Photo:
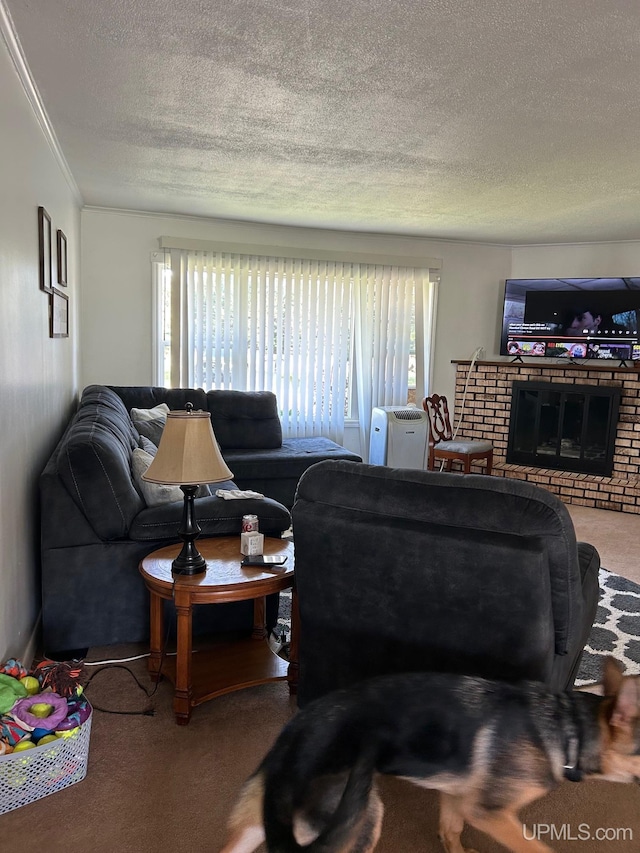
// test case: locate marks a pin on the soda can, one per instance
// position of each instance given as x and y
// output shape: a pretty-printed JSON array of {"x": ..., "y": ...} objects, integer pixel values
[{"x": 249, "y": 523}]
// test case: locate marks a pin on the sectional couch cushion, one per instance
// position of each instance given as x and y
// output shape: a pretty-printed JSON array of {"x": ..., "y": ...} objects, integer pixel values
[
  {"x": 216, "y": 517},
  {"x": 94, "y": 464},
  {"x": 290, "y": 459},
  {"x": 246, "y": 420},
  {"x": 277, "y": 471},
  {"x": 147, "y": 397}
]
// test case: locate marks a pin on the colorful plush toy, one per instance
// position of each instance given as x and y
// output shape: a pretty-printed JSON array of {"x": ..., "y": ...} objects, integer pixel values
[
  {"x": 11, "y": 731},
  {"x": 79, "y": 710},
  {"x": 63, "y": 677},
  {"x": 14, "y": 668},
  {"x": 10, "y": 690},
  {"x": 21, "y": 711}
]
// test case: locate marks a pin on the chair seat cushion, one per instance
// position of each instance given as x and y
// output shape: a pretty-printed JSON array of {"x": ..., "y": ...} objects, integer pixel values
[{"x": 462, "y": 446}]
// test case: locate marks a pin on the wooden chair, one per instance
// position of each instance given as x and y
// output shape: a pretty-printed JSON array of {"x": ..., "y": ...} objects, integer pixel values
[{"x": 447, "y": 449}]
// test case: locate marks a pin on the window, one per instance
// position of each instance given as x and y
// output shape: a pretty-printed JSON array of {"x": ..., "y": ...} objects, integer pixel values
[{"x": 330, "y": 338}]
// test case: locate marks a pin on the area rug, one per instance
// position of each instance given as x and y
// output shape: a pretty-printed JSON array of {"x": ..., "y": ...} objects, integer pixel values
[{"x": 616, "y": 629}]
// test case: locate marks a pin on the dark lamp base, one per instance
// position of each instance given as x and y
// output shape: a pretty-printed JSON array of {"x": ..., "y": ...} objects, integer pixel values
[
  {"x": 189, "y": 561},
  {"x": 195, "y": 564}
]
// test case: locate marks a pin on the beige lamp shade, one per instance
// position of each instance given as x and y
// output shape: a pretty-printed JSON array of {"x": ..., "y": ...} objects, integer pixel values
[{"x": 188, "y": 454}]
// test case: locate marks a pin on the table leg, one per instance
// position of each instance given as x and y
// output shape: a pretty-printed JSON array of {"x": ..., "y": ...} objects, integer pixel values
[
  {"x": 156, "y": 630},
  {"x": 183, "y": 689},
  {"x": 294, "y": 666},
  {"x": 259, "y": 618}
]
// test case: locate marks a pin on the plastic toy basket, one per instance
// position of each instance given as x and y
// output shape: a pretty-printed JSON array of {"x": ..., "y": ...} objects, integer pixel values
[{"x": 35, "y": 773}]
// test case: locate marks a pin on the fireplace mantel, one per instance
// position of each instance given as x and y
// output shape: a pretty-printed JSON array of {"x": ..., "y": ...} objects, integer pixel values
[
  {"x": 488, "y": 410},
  {"x": 545, "y": 364}
]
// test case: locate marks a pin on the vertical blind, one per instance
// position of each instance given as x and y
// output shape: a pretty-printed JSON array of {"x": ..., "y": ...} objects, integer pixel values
[
  {"x": 262, "y": 323},
  {"x": 308, "y": 330},
  {"x": 385, "y": 307}
]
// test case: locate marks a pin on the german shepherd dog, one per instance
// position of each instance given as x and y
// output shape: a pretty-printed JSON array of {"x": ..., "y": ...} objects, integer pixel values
[{"x": 488, "y": 747}]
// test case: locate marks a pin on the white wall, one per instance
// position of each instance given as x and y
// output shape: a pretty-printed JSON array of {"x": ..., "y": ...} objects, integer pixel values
[
  {"x": 37, "y": 373},
  {"x": 577, "y": 260},
  {"x": 116, "y": 307},
  {"x": 469, "y": 311}
]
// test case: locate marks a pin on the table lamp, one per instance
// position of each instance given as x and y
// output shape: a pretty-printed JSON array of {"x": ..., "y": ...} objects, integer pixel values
[{"x": 188, "y": 456}]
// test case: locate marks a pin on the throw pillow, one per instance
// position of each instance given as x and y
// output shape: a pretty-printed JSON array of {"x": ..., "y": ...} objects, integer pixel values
[
  {"x": 154, "y": 494},
  {"x": 204, "y": 491},
  {"x": 146, "y": 444},
  {"x": 151, "y": 422}
]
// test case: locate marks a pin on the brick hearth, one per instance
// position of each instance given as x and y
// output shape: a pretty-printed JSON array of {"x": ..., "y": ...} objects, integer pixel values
[{"x": 488, "y": 408}]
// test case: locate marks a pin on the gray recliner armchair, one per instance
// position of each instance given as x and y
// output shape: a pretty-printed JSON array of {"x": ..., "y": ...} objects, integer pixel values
[{"x": 404, "y": 570}]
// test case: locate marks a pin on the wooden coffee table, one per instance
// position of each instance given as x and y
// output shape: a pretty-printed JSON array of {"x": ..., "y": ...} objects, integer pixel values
[{"x": 228, "y": 664}]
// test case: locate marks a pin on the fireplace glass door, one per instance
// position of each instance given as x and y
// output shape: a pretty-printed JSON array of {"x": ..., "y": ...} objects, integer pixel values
[{"x": 569, "y": 427}]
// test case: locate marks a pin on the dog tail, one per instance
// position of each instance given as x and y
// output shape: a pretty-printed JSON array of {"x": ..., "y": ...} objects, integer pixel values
[{"x": 342, "y": 825}]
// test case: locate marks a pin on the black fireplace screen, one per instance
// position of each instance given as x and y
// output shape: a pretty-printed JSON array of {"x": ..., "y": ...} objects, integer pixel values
[{"x": 570, "y": 427}]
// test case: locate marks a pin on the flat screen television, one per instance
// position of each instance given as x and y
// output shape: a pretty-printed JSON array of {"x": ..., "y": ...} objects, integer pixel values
[{"x": 572, "y": 318}]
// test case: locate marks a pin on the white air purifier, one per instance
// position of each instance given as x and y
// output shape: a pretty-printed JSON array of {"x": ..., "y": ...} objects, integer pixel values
[{"x": 399, "y": 437}]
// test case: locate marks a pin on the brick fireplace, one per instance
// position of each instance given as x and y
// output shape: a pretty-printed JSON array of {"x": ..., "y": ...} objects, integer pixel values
[{"x": 487, "y": 415}]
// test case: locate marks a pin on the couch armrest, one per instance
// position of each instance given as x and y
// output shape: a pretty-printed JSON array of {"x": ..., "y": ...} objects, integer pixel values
[{"x": 589, "y": 562}]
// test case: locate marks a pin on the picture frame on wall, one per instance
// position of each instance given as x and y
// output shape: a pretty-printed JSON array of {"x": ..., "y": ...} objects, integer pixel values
[
  {"x": 62, "y": 258},
  {"x": 59, "y": 314},
  {"x": 44, "y": 251}
]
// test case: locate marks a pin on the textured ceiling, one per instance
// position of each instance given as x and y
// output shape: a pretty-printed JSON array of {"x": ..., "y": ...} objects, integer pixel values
[{"x": 490, "y": 120}]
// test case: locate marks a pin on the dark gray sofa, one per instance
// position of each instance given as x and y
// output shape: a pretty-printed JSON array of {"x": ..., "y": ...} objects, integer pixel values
[
  {"x": 249, "y": 432},
  {"x": 96, "y": 527},
  {"x": 400, "y": 570}
]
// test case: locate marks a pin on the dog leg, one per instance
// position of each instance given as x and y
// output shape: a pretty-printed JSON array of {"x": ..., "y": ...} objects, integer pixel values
[
  {"x": 508, "y": 830},
  {"x": 372, "y": 824},
  {"x": 246, "y": 831},
  {"x": 451, "y": 824},
  {"x": 245, "y": 840},
  {"x": 366, "y": 832}
]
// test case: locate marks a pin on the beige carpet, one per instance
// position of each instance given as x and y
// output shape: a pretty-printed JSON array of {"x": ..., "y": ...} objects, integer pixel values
[
  {"x": 614, "y": 534},
  {"x": 153, "y": 786}
]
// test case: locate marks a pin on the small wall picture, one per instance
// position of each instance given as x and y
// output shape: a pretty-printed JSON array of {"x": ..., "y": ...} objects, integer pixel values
[
  {"x": 59, "y": 314},
  {"x": 44, "y": 251},
  {"x": 62, "y": 258}
]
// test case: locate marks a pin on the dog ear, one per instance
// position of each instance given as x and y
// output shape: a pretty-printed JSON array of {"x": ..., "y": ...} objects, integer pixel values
[
  {"x": 625, "y": 709},
  {"x": 612, "y": 676}
]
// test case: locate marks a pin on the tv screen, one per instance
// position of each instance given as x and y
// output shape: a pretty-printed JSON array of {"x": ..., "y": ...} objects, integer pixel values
[{"x": 571, "y": 318}]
